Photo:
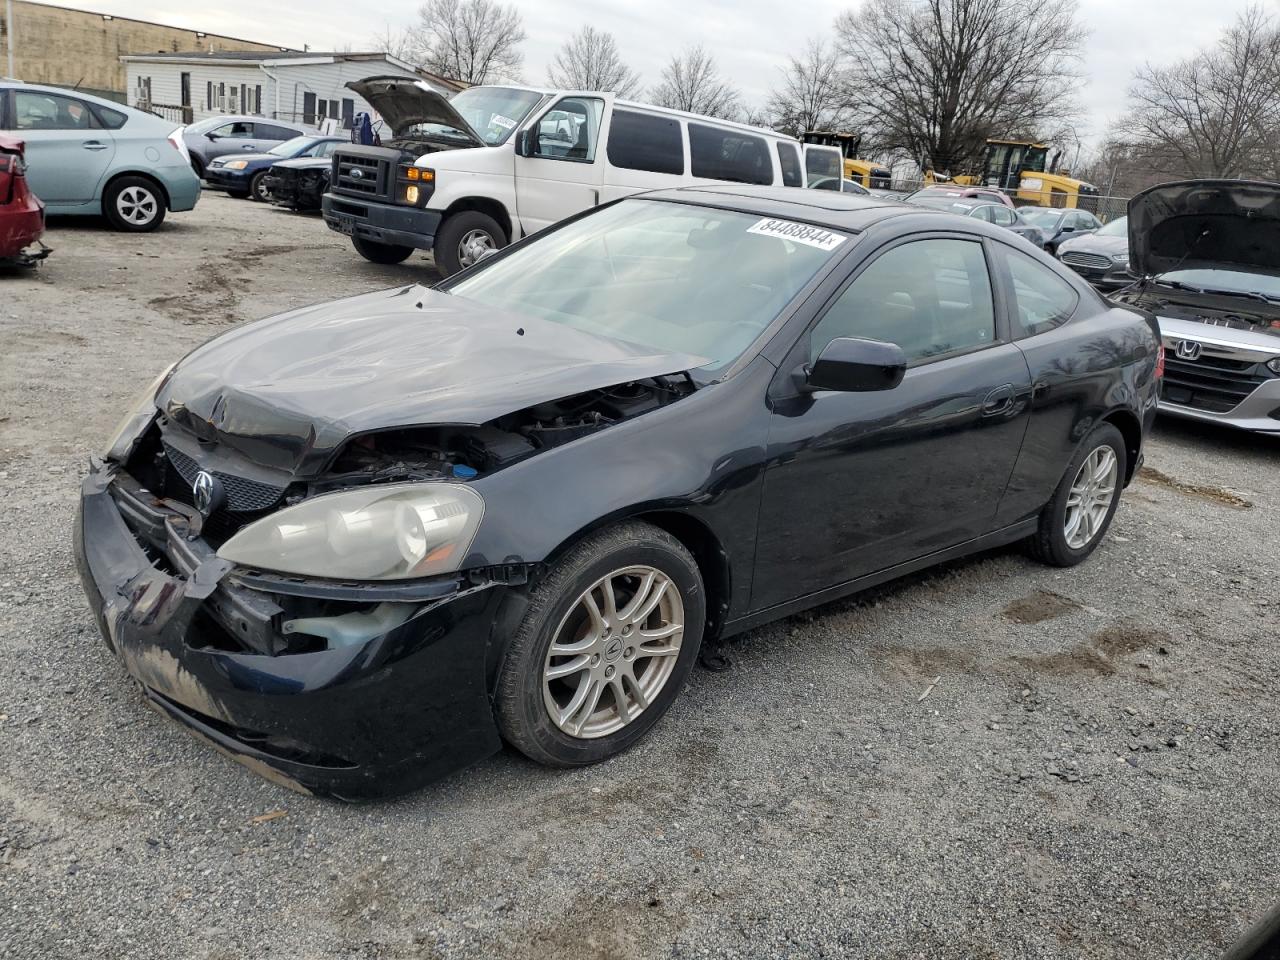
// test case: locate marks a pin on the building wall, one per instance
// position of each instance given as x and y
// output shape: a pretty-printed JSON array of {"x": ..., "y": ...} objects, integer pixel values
[
  {"x": 77, "y": 48},
  {"x": 326, "y": 81}
]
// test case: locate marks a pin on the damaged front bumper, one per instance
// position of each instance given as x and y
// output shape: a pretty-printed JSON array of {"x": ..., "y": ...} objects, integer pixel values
[{"x": 374, "y": 718}]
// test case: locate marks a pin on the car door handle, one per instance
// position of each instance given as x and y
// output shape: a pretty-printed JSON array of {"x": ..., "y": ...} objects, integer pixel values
[
  {"x": 249, "y": 146},
  {"x": 94, "y": 145},
  {"x": 998, "y": 401}
]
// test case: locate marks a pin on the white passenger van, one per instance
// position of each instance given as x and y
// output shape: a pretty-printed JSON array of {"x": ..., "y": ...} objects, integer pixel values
[{"x": 469, "y": 174}]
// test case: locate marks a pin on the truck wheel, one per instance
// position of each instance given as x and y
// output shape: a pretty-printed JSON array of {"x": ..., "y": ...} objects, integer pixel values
[
  {"x": 465, "y": 238},
  {"x": 385, "y": 253},
  {"x": 134, "y": 204}
]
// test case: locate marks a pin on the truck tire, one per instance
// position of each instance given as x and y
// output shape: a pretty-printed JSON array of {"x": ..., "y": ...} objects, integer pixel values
[
  {"x": 464, "y": 237},
  {"x": 385, "y": 253}
]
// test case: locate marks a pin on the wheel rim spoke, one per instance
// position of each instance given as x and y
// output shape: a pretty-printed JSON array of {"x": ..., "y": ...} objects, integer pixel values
[
  {"x": 1090, "y": 497},
  {"x": 622, "y": 633}
]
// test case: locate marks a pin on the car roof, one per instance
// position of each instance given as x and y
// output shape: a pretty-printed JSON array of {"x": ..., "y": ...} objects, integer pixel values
[
  {"x": 851, "y": 212},
  {"x": 82, "y": 95}
]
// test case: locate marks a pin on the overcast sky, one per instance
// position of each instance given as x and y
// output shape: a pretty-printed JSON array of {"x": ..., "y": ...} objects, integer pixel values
[{"x": 750, "y": 39}]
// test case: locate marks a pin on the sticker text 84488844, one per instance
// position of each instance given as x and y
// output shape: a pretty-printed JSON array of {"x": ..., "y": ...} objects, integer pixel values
[{"x": 798, "y": 232}]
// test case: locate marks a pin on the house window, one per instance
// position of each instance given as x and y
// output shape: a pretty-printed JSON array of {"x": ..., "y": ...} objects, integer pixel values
[
  {"x": 208, "y": 95},
  {"x": 257, "y": 99}
]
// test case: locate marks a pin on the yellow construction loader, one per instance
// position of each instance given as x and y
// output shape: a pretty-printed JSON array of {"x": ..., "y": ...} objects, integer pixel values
[
  {"x": 862, "y": 172},
  {"x": 1024, "y": 170}
]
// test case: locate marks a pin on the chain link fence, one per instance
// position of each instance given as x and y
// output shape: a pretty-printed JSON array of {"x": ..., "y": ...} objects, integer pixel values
[{"x": 1105, "y": 209}]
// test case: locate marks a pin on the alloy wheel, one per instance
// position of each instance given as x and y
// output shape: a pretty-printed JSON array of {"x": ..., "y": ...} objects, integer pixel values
[
  {"x": 474, "y": 245},
  {"x": 1090, "y": 497},
  {"x": 613, "y": 652},
  {"x": 137, "y": 205}
]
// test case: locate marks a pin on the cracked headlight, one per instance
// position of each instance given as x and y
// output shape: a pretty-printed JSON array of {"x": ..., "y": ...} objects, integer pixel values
[
  {"x": 134, "y": 425},
  {"x": 387, "y": 532}
]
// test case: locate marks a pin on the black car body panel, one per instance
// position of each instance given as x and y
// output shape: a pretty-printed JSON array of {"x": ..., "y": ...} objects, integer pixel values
[
  {"x": 299, "y": 184},
  {"x": 786, "y": 498},
  {"x": 1213, "y": 223}
]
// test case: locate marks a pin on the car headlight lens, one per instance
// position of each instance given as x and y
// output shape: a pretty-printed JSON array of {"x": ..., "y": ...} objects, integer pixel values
[
  {"x": 385, "y": 532},
  {"x": 1120, "y": 257},
  {"x": 237, "y": 164},
  {"x": 1274, "y": 365},
  {"x": 141, "y": 412}
]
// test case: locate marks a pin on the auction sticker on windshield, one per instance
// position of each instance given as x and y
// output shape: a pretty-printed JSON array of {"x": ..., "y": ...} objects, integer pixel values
[
  {"x": 798, "y": 232},
  {"x": 506, "y": 123}
]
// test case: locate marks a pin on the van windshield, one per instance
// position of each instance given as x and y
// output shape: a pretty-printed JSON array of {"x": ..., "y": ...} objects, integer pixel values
[
  {"x": 669, "y": 276},
  {"x": 493, "y": 112}
]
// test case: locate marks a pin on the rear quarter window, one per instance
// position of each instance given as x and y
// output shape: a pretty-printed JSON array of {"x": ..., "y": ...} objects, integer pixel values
[
  {"x": 1042, "y": 299},
  {"x": 638, "y": 141},
  {"x": 110, "y": 119},
  {"x": 719, "y": 154}
]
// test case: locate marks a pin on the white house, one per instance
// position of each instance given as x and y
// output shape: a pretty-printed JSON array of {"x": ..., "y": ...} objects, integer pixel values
[{"x": 302, "y": 86}]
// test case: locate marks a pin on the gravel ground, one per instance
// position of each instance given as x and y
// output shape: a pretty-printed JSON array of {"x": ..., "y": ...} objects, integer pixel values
[{"x": 1095, "y": 771}]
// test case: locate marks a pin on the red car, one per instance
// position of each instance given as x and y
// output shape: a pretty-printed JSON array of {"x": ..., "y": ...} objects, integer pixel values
[{"x": 21, "y": 212}]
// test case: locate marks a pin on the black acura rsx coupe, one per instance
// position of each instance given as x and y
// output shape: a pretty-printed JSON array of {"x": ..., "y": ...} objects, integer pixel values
[{"x": 359, "y": 545}]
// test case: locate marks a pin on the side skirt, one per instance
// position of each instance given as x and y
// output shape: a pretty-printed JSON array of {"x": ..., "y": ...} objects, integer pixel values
[{"x": 998, "y": 538}]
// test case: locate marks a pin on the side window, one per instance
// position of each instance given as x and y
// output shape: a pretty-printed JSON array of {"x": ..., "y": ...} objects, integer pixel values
[
  {"x": 1043, "y": 299},
  {"x": 570, "y": 130},
  {"x": 985, "y": 213},
  {"x": 930, "y": 297},
  {"x": 639, "y": 141},
  {"x": 823, "y": 168},
  {"x": 36, "y": 110},
  {"x": 719, "y": 154},
  {"x": 240, "y": 130},
  {"x": 789, "y": 158},
  {"x": 110, "y": 119},
  {"x": 1004, "y": 216},
  {"x": 269, "y": 131},
  {"x": 322, "y": 149}
]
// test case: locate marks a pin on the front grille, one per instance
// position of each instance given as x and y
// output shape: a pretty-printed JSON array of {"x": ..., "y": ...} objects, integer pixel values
[
  {"x": 1214, "y": 384},
  {"x": 243, "y": 496},
  {"x": 360, "y": 176},
  {"x": 1092, "y": 261}
]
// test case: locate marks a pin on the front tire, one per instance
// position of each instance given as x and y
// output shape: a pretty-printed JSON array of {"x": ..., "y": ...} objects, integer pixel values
[
  {"x": 258, "y": 188},
  {"x": 1076, "y": 519},
  {"x": 607, "y": 641},
  {"x": 133, "y": 204},
  {"x": 465, "y": 238},
  {"x": 384, "y": 253}
]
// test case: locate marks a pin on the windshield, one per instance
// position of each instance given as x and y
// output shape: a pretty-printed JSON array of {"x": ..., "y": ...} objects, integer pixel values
[
  {"x": 493, "y": 112},
  {"x": 1040, "y": 216},
  {"x": 289, "y": 147},
  {"x": 1118, "y": 227},
  {"x": 669, "y": 276},
  {"x": 1225, "y": 281}
]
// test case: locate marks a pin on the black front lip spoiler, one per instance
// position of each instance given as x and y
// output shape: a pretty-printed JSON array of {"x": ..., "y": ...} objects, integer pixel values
[{"x": 359, "y": 722}]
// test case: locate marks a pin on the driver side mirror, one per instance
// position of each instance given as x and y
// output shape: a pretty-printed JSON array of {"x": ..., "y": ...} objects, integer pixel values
[
  {"x": 856, "y": 366},
  {"x": 524, "y": 142},
  {"x": 212, "y": 136}
]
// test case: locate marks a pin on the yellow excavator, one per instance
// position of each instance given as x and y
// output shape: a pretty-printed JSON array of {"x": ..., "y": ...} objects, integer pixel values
[
  {"x": 1025, "y": 171},
  {"x": 862, "y": 172}
]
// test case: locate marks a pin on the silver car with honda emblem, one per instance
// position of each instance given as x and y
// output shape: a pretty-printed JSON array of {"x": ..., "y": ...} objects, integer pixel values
[{"x": 1208, "y": 252}]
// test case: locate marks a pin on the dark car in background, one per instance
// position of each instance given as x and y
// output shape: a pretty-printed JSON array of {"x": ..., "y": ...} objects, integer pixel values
[
  {"x": 359, "y": 545},
  {"x": 979, "y": 209},
  {"x": 1057, "y": 224},
  {"x": 21, "y": 212},
  {"x": 299, "y": 184},
  {"x": 1101, "y": 257},
  {"x": 219, "y": 136},
  {"x": 1208, "y": 255},
  {"x": 246, "y": 175}
]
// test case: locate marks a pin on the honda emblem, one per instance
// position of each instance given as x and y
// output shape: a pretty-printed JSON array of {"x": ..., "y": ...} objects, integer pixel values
[{"x": 1187, "y": 350}]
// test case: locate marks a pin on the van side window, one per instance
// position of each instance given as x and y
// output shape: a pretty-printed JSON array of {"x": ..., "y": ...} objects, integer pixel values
[
  {"x": 570, "y": 130},
  {"x": 719, "y": 154},
  {"x": 789, "y": 157},
  {"x": 639, "y": 141},
  {"x": 823, "y": 168}
]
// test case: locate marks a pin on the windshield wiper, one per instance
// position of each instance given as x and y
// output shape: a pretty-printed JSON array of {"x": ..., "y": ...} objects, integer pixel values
[{"x": 1248, "y": 294}]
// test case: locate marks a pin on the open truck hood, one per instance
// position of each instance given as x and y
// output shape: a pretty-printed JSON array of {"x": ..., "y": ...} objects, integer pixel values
[
  {"x": 403, "y": 101},
  {"x": 287, "y": 392},
  {"x": 1225, "y": 224}
]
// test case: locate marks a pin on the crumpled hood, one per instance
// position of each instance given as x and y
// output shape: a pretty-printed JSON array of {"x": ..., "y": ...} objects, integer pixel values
[
  {"x": 1229, "y": 224},
  {"x": 286, "y": 392},
  {"x": 402, "y": 102},
  {"x": 305, "y": 163}
]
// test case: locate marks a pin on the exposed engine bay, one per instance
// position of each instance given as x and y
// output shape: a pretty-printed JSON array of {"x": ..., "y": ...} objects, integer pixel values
[{"x": 1220, "y": 310}]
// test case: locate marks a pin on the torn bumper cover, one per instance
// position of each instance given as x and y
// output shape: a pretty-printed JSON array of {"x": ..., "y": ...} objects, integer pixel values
[{"x": 372, "y": 719}]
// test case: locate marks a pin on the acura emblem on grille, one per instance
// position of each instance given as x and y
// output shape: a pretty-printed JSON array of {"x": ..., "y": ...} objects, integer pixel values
[
  {"x": 357, "y": 174},
  {"x": 206, "y": 493},
  {"x": 1187, "y": 350}
]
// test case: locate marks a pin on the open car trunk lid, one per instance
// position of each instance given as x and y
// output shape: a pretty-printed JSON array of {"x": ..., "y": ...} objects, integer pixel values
[
  {"x": 403, "y": 102},
  {"x": 1227, "y": 224}
]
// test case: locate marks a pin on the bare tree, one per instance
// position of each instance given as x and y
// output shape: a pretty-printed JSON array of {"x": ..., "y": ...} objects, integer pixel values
[
  {"x": 814, "y": 92},
  {"x": 398, "y": 43},
  {"x": 475, "y": 41},
  {"x": 590, "y": 60},
  {"x": 936, "y": 78},
  {"x": 691, "y": 81},
  {"x": 1216, "y": 114}
]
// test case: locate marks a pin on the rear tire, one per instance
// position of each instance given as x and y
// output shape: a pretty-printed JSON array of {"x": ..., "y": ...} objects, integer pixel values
[
  {"x": 384, "y": 253},
  {"x": 632, "y": 648},
  {"x": 463, "y": 238},
  {"x": 133, "y": 204},
  {"x": 1076, "y": 520}
]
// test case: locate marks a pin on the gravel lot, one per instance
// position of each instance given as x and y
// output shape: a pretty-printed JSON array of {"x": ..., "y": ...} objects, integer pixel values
[{"x": 1096, "y": 772}]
